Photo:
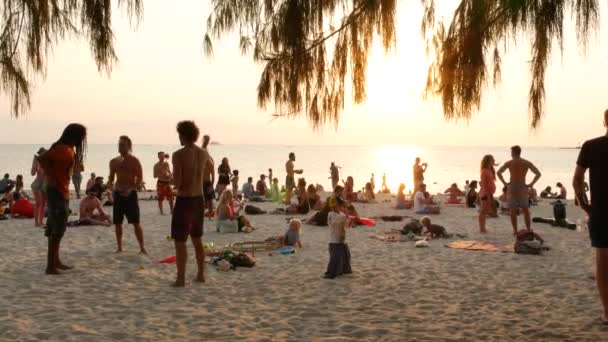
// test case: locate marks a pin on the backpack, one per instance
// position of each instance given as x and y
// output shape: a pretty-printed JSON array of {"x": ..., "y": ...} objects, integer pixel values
[
  {"x": 527, "y": 243},
  {"x": 242, "y": 260},
  {"x": 559, "y": 211}
]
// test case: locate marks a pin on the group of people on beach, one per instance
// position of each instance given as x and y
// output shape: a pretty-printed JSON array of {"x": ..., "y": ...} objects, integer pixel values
[{"x": 189, "y": 186}]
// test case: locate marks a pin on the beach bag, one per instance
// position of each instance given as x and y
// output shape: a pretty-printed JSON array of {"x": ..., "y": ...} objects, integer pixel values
[
  {"x": 414, "y": 226},
  {"x": 253, "y": 210},
  {"x": 526, "y": 243},
  {"x": 242, "y": 260},
  {"x": 559, "y": 211}
]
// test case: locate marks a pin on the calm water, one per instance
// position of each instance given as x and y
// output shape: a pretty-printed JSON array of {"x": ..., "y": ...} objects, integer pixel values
[{"x": 446, "y": 164}]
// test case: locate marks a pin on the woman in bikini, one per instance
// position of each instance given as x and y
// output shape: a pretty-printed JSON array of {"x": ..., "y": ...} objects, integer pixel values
[{"x": 487, "y": 190}]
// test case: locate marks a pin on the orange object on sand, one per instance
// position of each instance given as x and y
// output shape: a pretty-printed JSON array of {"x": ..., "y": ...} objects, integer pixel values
[
  {"x": 472, "y": 245},
  {"x": 168, "y": 260}
]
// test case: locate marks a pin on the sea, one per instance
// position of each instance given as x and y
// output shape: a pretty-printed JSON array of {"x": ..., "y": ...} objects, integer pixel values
[{"x": 446, "y": 165}]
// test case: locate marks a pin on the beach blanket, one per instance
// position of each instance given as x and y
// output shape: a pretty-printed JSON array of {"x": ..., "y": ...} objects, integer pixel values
[
  {"x": 363, "y": 221},
  {"x": 249, "y": 246},
  {"x": 472, "y": 245}
]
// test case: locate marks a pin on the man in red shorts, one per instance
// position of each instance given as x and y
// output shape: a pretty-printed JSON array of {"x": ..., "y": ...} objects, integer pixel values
[
  {"x": 162, "y": 172},
  {"x": 188, "y": 173}
]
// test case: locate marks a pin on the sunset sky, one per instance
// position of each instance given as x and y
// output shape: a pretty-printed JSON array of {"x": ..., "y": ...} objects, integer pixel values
[{"x": 163, "y": 76}]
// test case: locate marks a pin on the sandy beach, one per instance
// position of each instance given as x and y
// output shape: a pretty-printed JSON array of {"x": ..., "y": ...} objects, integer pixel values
[{"x": 397, "y": 291}]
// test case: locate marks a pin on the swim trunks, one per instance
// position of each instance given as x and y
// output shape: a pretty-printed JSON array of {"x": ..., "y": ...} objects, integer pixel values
[
  {"x": 126, "y": 206},
  {"x": 58, "y": 211},
  {"x": 520, "y": 201},
  {"x": 290, "y": 183},
  {"x": 188, "y": 218},
  {"x": 164, "y": 190}
]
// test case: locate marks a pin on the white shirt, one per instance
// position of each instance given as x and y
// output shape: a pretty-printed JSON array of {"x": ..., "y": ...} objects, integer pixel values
[
  {"x": 337, "y": 223},
  {"x": 419, "y": 201}
]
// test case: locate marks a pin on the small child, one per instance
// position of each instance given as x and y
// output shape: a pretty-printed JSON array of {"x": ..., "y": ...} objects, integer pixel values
[
  {"x": 275, "y": 194},
  {"x": 292, "y": 235},
  {"x": 434, "y": 230},
  {"x": 339, "y": 253},
  {"x": 235, "y": 183}
]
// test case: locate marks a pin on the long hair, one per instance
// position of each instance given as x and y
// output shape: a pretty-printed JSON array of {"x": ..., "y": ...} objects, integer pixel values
[
  {"x": 488, "y": 163},
  {"x": 74, "y": 135},
  {"x": 224, "y": 197}
]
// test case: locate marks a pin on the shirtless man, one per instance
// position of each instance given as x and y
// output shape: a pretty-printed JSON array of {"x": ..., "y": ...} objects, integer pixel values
[
  {"x": 88, "y": 205},
  {"x": 290, "y": 182},
  {"x": 419, "y": 170},
  {"x": 189, "y": 164},
  {"x": 162, "y": 172},
  {"x": 128, "y": 173},
  {"x": 517, "y": 188},
  {"x": 208, "y": 180}
]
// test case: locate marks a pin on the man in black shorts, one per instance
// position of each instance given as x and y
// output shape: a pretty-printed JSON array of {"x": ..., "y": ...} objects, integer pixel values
[
  {"x": 189, "y": 165},
  {"x": 594, "y": 156},
  {"x": 290, "y": 181},
  {"x": 128, "y": 172}
]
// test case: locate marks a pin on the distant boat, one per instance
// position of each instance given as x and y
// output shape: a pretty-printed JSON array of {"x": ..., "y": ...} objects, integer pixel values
[
  {"x": 214, "y": 143},
  {"x": 571, "y": 148}
]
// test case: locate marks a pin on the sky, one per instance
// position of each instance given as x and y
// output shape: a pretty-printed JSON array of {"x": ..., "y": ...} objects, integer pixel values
[{"x": 163, "y": 76}]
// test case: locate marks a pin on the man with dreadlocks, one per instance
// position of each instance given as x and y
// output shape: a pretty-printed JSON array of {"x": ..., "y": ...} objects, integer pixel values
[{"x": 57, "y": 164}]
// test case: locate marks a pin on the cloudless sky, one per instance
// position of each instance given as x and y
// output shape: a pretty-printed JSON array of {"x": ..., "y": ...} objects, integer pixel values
[{"x": 163, "y": 76}]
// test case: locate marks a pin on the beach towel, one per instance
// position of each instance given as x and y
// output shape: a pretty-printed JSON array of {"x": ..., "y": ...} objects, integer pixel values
[
  {"x": 168, "y": 260},
  {"x": 363, "y": 221},
  {"x": 472, "y": 245}
]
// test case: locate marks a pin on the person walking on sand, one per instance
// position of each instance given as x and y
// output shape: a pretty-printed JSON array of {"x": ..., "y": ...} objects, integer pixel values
[
  {"x": 189, "y": 164},
  {"x": 208, "y": 179},
  {"x": 593, "y": 157},
  {"x": 419, "y": 170},
  {"x": 334, "y": 171},
  {"x": 57, "y": 164},
  {"x": 162, "y": 172},
  {"x": 290, "y": 182},
  {"x": 128, "y": 173},
  {"x": 487, "y": 189},
  {"x": 517, "y": 189}
]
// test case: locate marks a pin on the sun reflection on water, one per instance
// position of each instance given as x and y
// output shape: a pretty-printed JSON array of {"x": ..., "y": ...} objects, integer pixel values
[{"x": 396, "y": 162}]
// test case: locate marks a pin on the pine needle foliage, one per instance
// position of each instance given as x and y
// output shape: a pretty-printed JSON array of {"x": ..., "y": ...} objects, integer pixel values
[{"x": 29, "y": 29}]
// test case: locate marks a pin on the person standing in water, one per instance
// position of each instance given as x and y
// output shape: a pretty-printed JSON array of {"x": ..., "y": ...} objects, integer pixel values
[
  {"x": 162, "y": 172},
  {"x": 419, "y": 170},
  {"x": 593, "y": 157},
  {"x": 208, "y": 179},
  {"x": 128, "y": 173},
  {"x": 290, "y": 182},
  {"x": 57, "y": 164},
  {"x": 334, "y": 175},
  {"x": 517, "y": 188},
  {"x": 189, "y": 164}
]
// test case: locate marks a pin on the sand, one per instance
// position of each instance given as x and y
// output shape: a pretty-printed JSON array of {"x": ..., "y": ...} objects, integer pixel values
[{"x": 397, "y": 291}]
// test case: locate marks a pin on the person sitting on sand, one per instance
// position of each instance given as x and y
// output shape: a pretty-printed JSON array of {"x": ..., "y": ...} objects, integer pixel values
[
  {"x": 229, "y": 219},
  {"x": 303, "y": 206},
  {"x": 453, "y": 193},
  {"x": 292, "y": 235},
  {"x": 422, "y": 204},
  {"x": 248, "y": 190},
  {"x": 368, "y": 193},
  {"x": 314, "y": 200},
  {"x": 260, "y": 187},
  {"x": 402, "y": 202},
  {"x": 563, "y": 193},
  {"x": 275, "y": 193},
  {"x": 434, "y": 230},
  {"x": 547, "y": 193},
  {"x": 533, "y": 196},
  {"x": 339, "y": 253},
  {"x": 6, "y": 184},
  {"x": 471, "y": 195},
  {"x": 91, "y": 211},
  {"x": 349, "y": 189},
  {"x": 504, "y": 201}
]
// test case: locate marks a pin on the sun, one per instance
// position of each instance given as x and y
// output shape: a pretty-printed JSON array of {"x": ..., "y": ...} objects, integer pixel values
[{"x": 396, "y": 162}]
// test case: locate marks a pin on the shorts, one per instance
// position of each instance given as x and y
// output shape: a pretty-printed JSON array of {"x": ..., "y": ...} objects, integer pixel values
[
  {"x": 58, "y": 211},
  {"x": 164, "y": 190},
  {"x": 208, "y": 191},
  {"x": 290, "y": 183},
  {"x": 126, "y": 206},
  {"x": 598, "y": 229},
  {"x": 514, "y": 203},
  {"x": 187, "y": 218},
  {"x": 77, "y": 178}
]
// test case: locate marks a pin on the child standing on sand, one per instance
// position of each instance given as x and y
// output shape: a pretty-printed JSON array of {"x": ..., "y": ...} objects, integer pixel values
[
  {"x": 235, "y": 183},
  {"x": 339, "y": 253},
  {"x": 275, "y": 194}
]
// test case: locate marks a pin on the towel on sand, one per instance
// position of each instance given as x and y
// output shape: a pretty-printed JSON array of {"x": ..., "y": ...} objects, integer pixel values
[{"x": 472, "y": 245}]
